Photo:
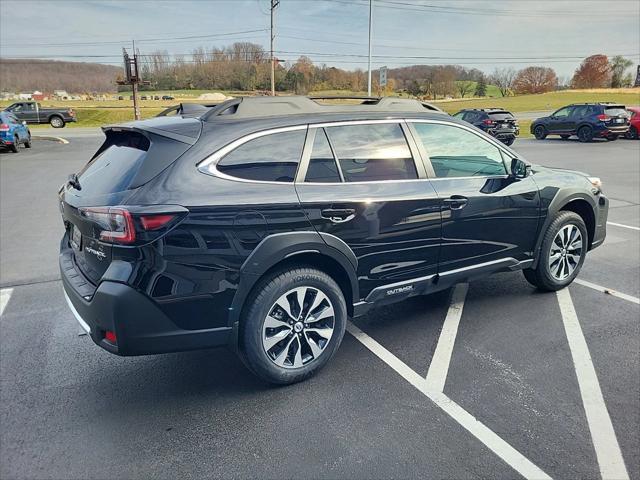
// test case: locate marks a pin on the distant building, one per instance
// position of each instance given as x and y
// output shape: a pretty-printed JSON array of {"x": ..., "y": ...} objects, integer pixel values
[
  {"x": 61, "y": 94},
  {"x": 39, "y": 96}
]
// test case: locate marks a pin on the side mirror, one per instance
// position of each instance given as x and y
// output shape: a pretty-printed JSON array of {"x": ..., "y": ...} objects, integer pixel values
[{"x": 520, "y": 168}]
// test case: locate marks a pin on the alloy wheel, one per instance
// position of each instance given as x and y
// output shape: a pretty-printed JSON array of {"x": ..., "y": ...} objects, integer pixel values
[
  {"x": 298, "y": 327},
  {"x": 566, "y": 252}
]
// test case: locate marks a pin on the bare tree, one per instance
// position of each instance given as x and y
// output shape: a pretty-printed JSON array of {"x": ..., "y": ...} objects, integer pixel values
[
  {"x": 465, "y": 87},
  {"x": 503, "y": 79}
]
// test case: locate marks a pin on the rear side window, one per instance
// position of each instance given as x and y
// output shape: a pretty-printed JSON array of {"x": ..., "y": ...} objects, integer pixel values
[
  {"x": 270, "y": 158},
  {"x": 373, "y": 152},
  {"x": 456, "y": 152},
  {"x": 322, "y": 165}
]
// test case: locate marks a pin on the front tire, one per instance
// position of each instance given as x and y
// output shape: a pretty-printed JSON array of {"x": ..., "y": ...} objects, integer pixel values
[
  {"x": 562, "y": 253},
  {"x": 540, "y": 132},
  {"x": 56, "y": 122},
  {"x": 292, "y": 325}
]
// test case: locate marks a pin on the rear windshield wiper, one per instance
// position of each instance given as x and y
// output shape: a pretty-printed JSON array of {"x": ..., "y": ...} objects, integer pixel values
[{"x": 74, "y": 182}]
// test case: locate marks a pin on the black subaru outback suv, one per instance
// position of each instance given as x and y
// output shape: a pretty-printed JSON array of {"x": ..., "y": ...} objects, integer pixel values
[
  {"x": 265, "y": 223},
  {"x": 497, "y": 122}
]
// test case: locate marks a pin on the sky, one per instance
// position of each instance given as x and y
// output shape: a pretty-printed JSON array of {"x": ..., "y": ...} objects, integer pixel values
[{"x": 475, "y": 33}]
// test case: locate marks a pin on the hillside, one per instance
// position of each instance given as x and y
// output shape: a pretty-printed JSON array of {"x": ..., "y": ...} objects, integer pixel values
[{"x": 49, "y": 75}]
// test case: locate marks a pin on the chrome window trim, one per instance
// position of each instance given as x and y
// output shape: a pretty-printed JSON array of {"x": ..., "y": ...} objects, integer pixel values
[{"x": 208, "y": 165}]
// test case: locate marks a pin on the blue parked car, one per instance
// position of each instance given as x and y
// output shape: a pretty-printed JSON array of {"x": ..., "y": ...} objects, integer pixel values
[
  {"x": 586, "y": 120},
  {"x": 13, "y": 132}
]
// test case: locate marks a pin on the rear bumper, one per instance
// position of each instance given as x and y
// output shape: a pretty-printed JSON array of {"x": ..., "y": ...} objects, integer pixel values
[
  {"x": 502, "y": 134},
  {"x": 141, "y": 328},
  {"x": 605, "y": 130}
]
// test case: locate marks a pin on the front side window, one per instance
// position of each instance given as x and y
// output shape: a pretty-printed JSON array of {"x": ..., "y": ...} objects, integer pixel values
[
  {"x": 456, "y": 152},
  {"x": 563, "y": 112},
  {"x": 373, "y": 152},
  {"x": 270, "y": 158}
]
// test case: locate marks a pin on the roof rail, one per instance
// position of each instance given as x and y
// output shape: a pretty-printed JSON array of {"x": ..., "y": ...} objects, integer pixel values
[{"x": 249, "y": 107}]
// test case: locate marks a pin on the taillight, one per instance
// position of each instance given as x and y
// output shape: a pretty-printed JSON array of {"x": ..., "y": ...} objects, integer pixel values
[
  {"x": 122, "y": 226},
  {"x": 604, "y": 118},
  {"x": 154, "y": 222},
  {"x": 116, "y": 224},
  {"x": 488, "y": 122},
  {"x": 4, "y": 127},
  {"x": 110, "y": 337}
]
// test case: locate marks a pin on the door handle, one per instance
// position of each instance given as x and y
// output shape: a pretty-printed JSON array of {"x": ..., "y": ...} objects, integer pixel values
[
  {"x": 339, "y": 215},
  {"x": 456, "y": 202}
]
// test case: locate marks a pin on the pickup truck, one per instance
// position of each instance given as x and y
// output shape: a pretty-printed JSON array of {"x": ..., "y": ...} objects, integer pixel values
[{"x": 32, "y": 112}]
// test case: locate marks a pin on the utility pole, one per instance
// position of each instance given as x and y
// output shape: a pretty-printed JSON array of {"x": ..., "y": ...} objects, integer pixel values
[
  {"x": 274, "y": 4},
  {"x": 370, "y": 22},
  {"x": 132, "y": 77}
]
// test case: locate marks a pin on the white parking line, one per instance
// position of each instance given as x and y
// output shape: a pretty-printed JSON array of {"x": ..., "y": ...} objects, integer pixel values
[
  {"x": 437, "y": 374},
  {"x": 5, "y": 295},
  {"x": 489, "y": 438},
  {"x": 630, "y": 227},
  {"x": 604, "y": 438},
  {"x": 608, "y": 291}
]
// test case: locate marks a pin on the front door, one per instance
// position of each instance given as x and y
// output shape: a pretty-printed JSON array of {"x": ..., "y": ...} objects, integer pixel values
[
  {"x": 488, "y": 217},
  {"x": 362, "y": 184},
  {"x": 561, "y": 121}
]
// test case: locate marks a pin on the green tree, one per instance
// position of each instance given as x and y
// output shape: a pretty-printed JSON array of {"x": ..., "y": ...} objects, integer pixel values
[
  {"x": 481, "y": 87},
  {"x": 619, "y": 66}
]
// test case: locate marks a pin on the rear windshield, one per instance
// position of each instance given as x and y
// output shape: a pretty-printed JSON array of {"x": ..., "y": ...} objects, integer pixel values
[
  {"x": 501, "y": 116},
  {"x": 116, "y": 163},
  {"x": 127, "y": 160},
  {"x": 616, "y": 111}
]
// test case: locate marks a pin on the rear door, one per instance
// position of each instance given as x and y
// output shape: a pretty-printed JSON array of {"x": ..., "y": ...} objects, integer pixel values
[
  {"x": 360, "y": 182},
  {"x": 487, "y": 216}
]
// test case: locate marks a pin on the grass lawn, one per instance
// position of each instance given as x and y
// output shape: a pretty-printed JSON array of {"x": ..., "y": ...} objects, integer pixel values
[
  {"x": 92, "y": 113},
  {"x": 545, "y": 101}
]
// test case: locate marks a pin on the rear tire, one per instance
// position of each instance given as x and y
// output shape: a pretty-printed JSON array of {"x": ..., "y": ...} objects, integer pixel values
[
  {"x": 284, "y": 342},
  {"x": 612, "y": 137},
  {"x": 27, "y": 142},
  {"x": 585, "y": 134},
  {"x": 540, "y": 132},
  {"x": 56, "y": 121},
  {"x": 509, "y": 141},
  {"x": 562, "y": 253},
  {"x": 16, "y": 144},
  {"x": 632, "y": 133}
]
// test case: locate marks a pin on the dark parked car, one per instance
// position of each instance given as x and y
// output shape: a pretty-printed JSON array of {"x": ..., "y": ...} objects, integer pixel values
[
  {"x": 634, "y": 123},
  {"x": 13, "y": 132},
  {"x": 167, "y": 97},
  {"x": 267, "y": 221},
  {"x": 586, "y": 120},
  {"x": 32, "y": 112},
  {"x": 497, "y": 122}
]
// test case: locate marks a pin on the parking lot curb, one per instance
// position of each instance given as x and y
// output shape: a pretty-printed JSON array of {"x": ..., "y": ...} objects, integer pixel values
[{"x": 51, "y": 139}]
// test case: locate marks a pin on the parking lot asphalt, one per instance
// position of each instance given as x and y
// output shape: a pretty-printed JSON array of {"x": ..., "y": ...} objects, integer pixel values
[{"x": 492, "y": 385}]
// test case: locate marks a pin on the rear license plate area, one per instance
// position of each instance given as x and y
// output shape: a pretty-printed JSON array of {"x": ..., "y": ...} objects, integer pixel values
[{"x": 75, "y": 239}]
